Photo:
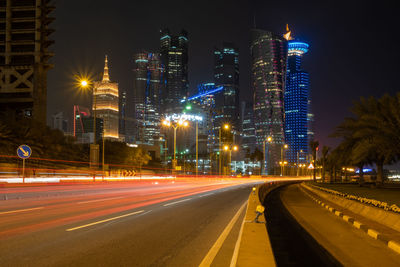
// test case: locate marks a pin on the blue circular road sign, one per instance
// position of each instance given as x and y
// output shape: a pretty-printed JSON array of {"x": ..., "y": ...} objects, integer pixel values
[{"x": 24, "y": 151}]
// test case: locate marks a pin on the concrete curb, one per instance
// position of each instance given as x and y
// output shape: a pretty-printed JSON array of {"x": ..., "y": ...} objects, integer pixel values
[
  {"x": 253, "y": 246},
  {"x": 393, "y": 245}
]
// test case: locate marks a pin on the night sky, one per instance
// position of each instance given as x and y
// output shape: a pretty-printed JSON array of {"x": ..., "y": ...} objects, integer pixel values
[{"x": 352, "y": 45}]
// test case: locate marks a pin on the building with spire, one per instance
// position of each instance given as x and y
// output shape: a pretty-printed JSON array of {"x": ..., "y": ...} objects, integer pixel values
[
  {"x": 268, "y": 59},
  {"x": 298, "y": 118},
  {"x": 106, "y": 104}
]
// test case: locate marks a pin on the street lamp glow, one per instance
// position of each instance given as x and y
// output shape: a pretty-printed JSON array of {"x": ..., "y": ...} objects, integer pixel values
[
  {"x": 226, "y": 126},
  {"x": 285, "y": 146},
  {"x": 226, "y": 147},
  {"x": 235, "y": 148},
  {"x": 269, "y": 139},
  {"x": 84, "y": 83},
  {"x": 185, "y": 123}
]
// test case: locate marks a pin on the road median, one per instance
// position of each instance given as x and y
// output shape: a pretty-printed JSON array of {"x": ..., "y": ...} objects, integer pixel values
[{"x": 253, "y": 247}]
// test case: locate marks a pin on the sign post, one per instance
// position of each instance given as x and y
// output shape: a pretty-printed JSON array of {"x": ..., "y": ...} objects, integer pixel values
[{"x": 24, "y": 152}]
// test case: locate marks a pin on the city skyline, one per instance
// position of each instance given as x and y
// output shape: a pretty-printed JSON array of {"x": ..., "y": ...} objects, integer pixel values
[{"x": 333, "y": 41}]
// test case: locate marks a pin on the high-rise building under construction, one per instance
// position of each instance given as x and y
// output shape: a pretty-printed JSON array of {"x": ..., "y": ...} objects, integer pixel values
[{"x": 24, "y": 57}]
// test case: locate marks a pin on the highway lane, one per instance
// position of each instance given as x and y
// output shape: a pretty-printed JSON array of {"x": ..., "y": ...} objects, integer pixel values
[{"x": 174, "y": 226}]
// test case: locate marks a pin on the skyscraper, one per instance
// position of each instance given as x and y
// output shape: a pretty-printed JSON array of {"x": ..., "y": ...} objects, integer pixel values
[
  {"x": 247, "y": 129},
  {"x": 144, "y": 104},
  {"x": 122, "y": 114},
  {"x": 226, "y": 74},
  {"x": 106, "y": 104},
  {"x": 83, "y": 125},
  {"x": 174, "y": 57},
  {"x": 58, "y": 121},
  {"x": 269, "y": 54},
  {"x": 296, "y": 103},
  {"x": 24, "y": 56}
]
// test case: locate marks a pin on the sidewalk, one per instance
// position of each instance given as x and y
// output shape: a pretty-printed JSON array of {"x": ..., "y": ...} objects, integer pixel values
[{"x": 254, "y": 245}]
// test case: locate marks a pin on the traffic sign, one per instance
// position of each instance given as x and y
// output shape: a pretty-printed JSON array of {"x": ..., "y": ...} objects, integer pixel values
[{"x": 24, "y": 151}]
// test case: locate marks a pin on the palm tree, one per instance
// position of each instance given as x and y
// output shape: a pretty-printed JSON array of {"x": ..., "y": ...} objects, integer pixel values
[
  {"x": 314, "y": 145},
  {"x": 373, "y": 136}
]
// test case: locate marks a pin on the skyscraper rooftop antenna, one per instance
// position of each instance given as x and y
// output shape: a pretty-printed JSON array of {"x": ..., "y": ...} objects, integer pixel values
[{"x": 254, "y": 21}]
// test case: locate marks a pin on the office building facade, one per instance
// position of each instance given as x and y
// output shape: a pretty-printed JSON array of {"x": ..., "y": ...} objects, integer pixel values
[
  {"x": 58, "y": 121},
  {"x": 174, "y": 58},
  {"x": 269, "y": 55},
  {"x": 24, "y": 57},
  {"x": 226, "y": 74},
  {"x": 83, "y": 125},
  {"x": 144, "y": 100}
]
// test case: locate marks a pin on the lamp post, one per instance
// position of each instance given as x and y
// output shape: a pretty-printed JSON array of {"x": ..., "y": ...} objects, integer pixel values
[
  {"x": 225, "y": 127},
  {"x": 175, "y": 125},
  {"x": 164, "y": 151},
  {"x": 94, "y": 149},
  {"x": 197, "y": 147},
  {"x": 298, "y": 163},
  {"x": 282, "y": 163},
  {"x": 268, "y": 139},
  {"x": 230, "y": 148}
]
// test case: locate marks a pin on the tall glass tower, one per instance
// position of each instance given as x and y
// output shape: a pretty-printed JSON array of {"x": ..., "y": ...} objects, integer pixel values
[
  {"x": 296, "y": 104},
  {"x": 226, "y": 74},
  {"x": 174, "y": 57},
  {"x": 144, "y": 100},
  {"x": 268, "y": 55}
]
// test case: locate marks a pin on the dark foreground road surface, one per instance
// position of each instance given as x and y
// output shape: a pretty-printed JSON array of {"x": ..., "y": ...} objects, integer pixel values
[
  {"x": 156, "y": 225},
  {"x": 291, "y": 244}
]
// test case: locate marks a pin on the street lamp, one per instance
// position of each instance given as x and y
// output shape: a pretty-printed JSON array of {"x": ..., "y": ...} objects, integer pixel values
[
  {"x": 298, "y": 163},
  {"x": 282, "y": 162},
  {"x": 86, "y": 84},
  {"x": 230, "y": 148},
  {"x": 269, "y": 140},
  {"x": 225, "y": 127},
  {"x": 175, "y": 125}
]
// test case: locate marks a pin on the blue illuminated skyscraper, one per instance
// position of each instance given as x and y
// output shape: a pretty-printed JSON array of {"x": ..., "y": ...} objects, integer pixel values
[{"x": 297, "y": 104}]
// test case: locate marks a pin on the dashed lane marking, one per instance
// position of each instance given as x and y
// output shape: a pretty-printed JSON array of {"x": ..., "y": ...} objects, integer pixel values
[
  {"x": 23, "y": 210},
  {"x": 176, "y": 202},
  {"x": 98, "y": 200},
  {"x": 103, "y": 221}
]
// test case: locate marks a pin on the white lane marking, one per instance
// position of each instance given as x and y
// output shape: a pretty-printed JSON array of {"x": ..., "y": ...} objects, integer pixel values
[
  {"x": 207, "y": 194},
  {"x": 179, "y": 201},
  {"x": 209, "y": 258},
  {"x": 237, "y": 245},
  {"x": 106, "y": 220},
  {"x": 15, "y": 211},
  {"x": 97, "y": 200}
]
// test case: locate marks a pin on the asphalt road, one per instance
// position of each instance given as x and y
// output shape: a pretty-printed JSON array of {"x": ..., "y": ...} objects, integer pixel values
[{"x": 164, "y": 224}]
